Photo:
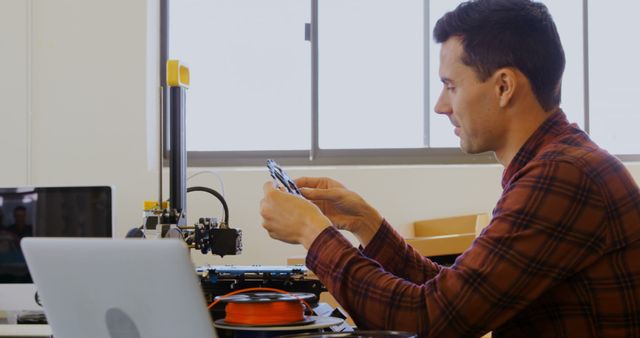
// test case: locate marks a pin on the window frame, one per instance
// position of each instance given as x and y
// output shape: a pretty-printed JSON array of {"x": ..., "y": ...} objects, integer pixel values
[{"x": 316, "y": 156}]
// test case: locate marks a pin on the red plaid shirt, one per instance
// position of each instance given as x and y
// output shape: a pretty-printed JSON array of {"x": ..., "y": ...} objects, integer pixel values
[{"x": 560, "y": 257}]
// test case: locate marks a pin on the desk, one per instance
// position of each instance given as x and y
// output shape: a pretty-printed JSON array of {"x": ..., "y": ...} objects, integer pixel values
[{"x": 25, "y": 330}]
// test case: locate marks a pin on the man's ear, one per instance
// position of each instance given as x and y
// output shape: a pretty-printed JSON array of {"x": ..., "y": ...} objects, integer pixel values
[{"x": 506, "y": 84}]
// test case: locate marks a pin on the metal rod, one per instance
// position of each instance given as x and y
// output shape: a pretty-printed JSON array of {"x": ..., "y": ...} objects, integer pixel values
[
  {"x": 161, "y": 146},
  {"x": 427, "y": 72},
  {"x": 178, "y": 153},
  {"x": 314, "y": 81},
  {"x": 585, "y": 51},
  {"x": 164, "y": 97}
]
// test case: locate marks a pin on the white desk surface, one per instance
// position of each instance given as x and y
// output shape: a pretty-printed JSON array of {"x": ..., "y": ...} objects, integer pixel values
[{"x": 24, "y": 330}]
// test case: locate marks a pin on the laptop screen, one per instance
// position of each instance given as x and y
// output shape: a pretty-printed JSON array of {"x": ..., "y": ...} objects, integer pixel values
[{"x": 48, "y": 212}]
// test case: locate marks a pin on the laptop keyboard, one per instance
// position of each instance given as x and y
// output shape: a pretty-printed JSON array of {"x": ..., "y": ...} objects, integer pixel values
[{"x": 31, "y": 317}]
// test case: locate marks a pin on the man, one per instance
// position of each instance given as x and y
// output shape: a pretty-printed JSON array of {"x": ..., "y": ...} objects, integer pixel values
[
  {"x": 561, "y": 255},
  {"x": 20, "y": 227}
]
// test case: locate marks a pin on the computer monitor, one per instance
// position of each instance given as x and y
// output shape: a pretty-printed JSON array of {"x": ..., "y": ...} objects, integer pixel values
[{"x": 79, "y": 211}]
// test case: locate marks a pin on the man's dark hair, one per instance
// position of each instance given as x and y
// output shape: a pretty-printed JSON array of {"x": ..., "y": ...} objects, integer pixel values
[
  {"x": 19, "y": 208},
  {"x": 509, "y": 33}
]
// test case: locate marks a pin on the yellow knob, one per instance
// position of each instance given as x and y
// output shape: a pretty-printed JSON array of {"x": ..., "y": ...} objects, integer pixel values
[
  {"x": 177, "y": 74},
  {"x": 153, "y": 205}
]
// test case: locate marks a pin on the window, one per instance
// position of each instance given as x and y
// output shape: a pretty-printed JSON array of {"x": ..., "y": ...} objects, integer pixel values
[
  {"x": 568, "y": 19},
  {"x": 613, "y": 72},
  {"x": 371, "y": 79},
  {"x": 250, "y": 73},
  {"x": 364, "y": 94}
]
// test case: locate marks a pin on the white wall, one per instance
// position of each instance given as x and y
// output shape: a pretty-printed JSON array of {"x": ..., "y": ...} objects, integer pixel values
[
  {"x": 13, "y": 92},
  {"x": 94, "y": 104},
  {"x": 92, "y": 99}
]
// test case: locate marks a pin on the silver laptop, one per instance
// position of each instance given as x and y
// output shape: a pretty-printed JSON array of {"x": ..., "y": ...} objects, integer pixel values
[{"x": 117, "y": 288}]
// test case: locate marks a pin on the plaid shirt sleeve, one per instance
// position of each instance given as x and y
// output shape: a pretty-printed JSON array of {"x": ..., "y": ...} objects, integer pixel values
[
  {"x": 548, "y": 224},
  {"x": 391, "y": 251}
]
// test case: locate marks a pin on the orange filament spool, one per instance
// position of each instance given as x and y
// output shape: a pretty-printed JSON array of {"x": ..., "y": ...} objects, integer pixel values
[
  {"x": 263, "y": 309},
  {"x": 271, "y": 313}
]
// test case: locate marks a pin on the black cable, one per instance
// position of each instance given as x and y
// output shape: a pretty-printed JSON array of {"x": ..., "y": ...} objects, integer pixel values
[{"x": 218, "y": 196}]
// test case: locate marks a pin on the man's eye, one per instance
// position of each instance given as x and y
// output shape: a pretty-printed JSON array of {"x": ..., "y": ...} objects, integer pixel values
[{"x": 450, "y": 88}]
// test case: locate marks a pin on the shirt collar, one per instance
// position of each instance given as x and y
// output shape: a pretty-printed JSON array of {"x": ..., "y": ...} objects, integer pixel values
[{"x": 548, "y": 130}]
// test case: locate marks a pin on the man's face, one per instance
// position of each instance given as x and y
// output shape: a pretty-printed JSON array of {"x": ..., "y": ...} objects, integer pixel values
[
  {"x": 20, "y": 216},
  {"x": 472, "y": 106}
]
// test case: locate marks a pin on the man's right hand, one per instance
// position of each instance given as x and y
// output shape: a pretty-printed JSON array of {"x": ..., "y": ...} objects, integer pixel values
[{"x": 346, "y": 209}]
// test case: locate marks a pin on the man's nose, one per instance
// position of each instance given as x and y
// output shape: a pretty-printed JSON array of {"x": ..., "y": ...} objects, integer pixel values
[{"x": 442, "y": 105}]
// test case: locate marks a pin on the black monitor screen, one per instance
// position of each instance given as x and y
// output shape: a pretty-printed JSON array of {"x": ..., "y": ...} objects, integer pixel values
[{"x": 48, "y": 212}]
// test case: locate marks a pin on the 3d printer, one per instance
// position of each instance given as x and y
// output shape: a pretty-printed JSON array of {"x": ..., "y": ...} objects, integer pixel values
[
  {"x": 209, "y": 235},
  {"x": 169, "y": 220}
]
